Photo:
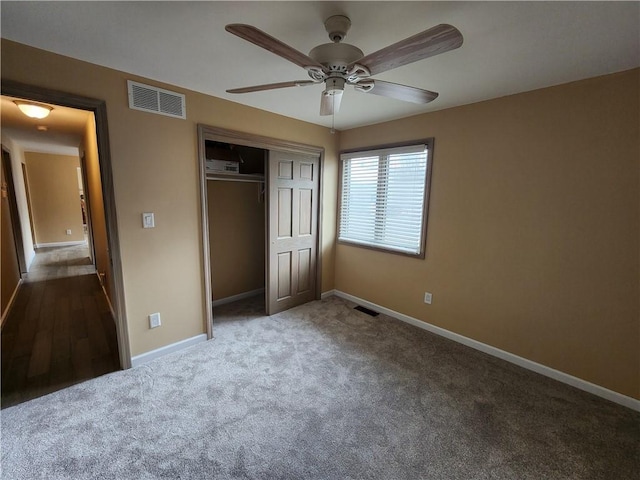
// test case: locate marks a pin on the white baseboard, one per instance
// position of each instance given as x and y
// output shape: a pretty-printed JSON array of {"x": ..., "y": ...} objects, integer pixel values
[
  {"x": 29, "y": 260},
  {"x": 174, "y": 347},
  {"x": 329, "y": 293},
  {"x": 576, "y": 382},
  {"x": 60, "y": 244},
  {"x": 5, "y": 314},
  {"x": 239, "y": 296}
]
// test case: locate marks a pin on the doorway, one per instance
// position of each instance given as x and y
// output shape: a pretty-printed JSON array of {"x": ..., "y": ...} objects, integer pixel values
[
  {"x": 102, "y": 190},
  {"x": 291, "y": 185}
]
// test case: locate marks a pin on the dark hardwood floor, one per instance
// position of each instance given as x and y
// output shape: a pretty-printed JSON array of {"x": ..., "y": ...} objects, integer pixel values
[{"x": 59, "y": 331}]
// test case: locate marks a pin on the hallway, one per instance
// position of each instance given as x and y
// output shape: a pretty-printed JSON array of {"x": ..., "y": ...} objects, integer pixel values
[{"x": 60, "y": 330}]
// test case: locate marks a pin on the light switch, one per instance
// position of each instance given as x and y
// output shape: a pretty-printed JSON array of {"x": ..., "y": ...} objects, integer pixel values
[
  {"x": 154, "y": 320},
  {"x": 148, "y": 221}
]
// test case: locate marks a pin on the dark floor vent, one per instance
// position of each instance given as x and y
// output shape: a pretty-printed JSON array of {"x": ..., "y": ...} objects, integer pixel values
[{"x": 366, "y": 310}]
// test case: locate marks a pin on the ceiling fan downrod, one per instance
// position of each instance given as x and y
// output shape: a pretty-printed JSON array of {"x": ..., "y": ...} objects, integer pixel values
[{"x": 337, "y": 27}]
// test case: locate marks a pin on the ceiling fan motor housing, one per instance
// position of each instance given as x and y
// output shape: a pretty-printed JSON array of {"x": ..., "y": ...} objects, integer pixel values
[{"x": 336, "y": 56}]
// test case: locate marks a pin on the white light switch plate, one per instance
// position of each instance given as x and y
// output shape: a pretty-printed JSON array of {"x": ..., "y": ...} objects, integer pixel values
[
  {"x": 148, "y": 221},
  {"x": 154, "y": 320}
]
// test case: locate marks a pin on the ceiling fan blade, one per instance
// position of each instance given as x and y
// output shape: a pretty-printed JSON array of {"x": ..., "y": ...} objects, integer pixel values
[
  {"x": 434, "y": 41},
  {"x": 394, "y": 90},
  {"x": 330, "y": 102},
  {"x": 272, "y": 86},
  {"x": 266, "y": 41}
]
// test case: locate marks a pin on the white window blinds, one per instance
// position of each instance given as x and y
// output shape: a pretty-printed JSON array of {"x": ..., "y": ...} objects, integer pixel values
[{"x": 383, "y": 198}]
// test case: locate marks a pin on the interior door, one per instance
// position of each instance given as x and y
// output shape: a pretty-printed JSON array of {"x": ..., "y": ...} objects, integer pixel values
[{"x": 293, "y": 230}]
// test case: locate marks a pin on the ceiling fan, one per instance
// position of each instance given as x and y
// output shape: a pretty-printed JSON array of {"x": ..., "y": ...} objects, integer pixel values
[{"x": 338, "y": 64}]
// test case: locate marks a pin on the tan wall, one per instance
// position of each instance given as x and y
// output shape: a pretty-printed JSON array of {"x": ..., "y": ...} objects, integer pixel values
[
  {"x": 533, "y": 237},
  {"x": 10, "y": 269},
  {"x": 55, "y": 198},
  {"x": 93, "y": 193},
  {"x": 236, "y": 237},
  {"x": 155, "y": 165}
]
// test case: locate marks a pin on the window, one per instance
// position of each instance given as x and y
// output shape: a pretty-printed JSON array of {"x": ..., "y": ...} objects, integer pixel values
[{"x": 384, "y": 198}]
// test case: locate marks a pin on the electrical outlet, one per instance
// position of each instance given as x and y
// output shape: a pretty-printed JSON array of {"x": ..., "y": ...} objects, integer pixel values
[
  {"x": 68, "y": 231},
  {"x": 154, "y": 320},
  {"x": 428, "y": 297}
]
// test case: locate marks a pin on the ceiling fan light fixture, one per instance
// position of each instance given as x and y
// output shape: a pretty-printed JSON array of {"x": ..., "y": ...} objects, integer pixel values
[
  {"x": 333, "y": 85},
  {"x": 34, "y": 110},
  {"x": 332, "y": 96}
]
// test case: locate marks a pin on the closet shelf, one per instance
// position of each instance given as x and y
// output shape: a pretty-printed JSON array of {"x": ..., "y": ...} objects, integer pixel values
[{"x": 236, "y": 177}]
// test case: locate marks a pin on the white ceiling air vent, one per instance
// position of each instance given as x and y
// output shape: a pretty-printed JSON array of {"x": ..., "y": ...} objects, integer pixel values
[{"x": 156, "y": 100}]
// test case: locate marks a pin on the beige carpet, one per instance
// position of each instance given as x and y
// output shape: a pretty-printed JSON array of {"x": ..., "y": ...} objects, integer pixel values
[{"x": 320, "y": 392}]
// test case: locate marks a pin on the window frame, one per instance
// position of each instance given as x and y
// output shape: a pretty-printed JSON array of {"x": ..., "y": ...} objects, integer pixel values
[{"x": 429, "y": 143}]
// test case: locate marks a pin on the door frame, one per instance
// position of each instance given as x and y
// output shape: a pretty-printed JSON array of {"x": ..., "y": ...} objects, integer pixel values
[
  {"x": 27, "y": 193},
  {"x": 13, "y": 211},
  {"x": 99, "y": 109},
  {"x": 216, "y": 134},
  {"x": 87, "y": 206}
]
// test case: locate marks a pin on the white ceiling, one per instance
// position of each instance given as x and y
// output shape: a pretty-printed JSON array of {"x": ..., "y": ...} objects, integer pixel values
[{"x": 509, "y": 47}]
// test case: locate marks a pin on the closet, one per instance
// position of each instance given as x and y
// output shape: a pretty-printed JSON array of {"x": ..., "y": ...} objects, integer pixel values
[
  {"x": 261, "y": 209},
  {"x": 236, "y": 218}
]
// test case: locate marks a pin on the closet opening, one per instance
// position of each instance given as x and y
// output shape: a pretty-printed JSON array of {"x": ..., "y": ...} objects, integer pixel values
[{"x": 236, "y": 217}]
